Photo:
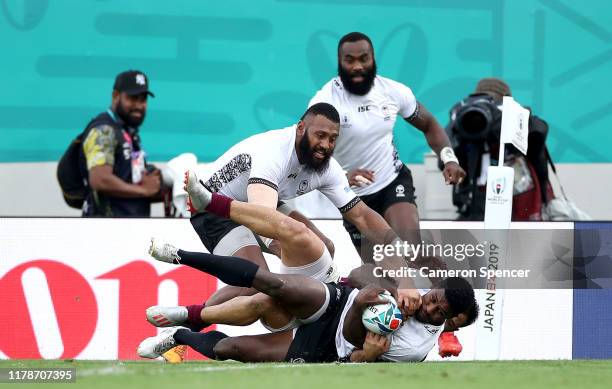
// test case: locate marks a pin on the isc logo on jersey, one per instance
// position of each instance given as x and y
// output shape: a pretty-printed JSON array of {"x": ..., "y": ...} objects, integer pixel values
[{"x": 382, "y": 319}]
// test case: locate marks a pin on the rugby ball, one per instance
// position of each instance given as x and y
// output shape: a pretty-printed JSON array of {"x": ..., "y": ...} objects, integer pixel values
[{"x": 382, "y": 319}]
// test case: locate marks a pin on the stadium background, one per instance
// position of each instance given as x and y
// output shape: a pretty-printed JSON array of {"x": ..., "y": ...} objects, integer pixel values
[{"x": 226, "y": 71}]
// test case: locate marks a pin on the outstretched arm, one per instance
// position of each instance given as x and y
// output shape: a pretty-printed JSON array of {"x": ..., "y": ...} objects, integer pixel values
[
  {"x": 376, "y": 229},
  {"x": 370, "y": 224},
  {"x": 423, "y": 120},
  {"x": 437, "y": 139}
]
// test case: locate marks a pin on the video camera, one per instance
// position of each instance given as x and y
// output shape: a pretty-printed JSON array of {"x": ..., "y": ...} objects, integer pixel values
[
  {"x": 476, "y": 118},
  {"x": 474, "y": 131}
]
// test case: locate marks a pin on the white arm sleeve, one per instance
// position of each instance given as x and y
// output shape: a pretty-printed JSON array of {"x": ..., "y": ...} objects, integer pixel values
[
  {"x": 265, "y": 170},
  {"x": 404, "y": 97}
]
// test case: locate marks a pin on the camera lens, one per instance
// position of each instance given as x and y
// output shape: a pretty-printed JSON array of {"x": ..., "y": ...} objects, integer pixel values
[{"x": 473, "y": 122}]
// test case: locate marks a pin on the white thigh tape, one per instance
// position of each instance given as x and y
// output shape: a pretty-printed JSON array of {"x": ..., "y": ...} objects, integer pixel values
[{"x": 236, "y": 239}]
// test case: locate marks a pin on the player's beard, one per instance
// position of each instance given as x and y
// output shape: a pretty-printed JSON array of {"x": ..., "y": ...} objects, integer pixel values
[
  {"x": 358, "y": 88},
  {"x": 127, "y": 118},
  {"x": 307, "y": 153}
]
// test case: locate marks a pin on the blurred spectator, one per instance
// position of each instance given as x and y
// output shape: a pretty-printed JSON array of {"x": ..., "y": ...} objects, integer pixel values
[
  {"x": 121, "y": 183},
  {"x": 474, "y": 130}
]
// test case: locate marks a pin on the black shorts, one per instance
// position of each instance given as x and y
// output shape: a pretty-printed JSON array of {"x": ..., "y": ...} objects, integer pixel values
[
  {"x": 400, "y": 190},
  {"x": 316, "y": 341},
  {"x": 211, "y": 228}
]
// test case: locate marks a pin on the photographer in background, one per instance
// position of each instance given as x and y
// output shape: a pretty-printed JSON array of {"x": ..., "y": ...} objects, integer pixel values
[
  {"x": 121, "y": 183},
  {"x": 474, "y": 131}
]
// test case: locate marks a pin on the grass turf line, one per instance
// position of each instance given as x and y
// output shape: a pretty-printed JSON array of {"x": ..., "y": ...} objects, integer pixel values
[{"x": 455, "y": 375}]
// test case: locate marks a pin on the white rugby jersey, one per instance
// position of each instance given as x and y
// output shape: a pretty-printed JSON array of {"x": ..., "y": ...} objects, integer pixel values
[
  {"x": 269, "y": 158},
  {"x": 410, "y": 343},
  {"x": 366, "y": 127}
]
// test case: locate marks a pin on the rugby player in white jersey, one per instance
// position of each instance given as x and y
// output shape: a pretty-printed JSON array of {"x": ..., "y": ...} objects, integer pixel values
[
  {"x": 369, "y": 105},
  {"x": 280, "y": 165},
  {"x": 328, "y": 316}
]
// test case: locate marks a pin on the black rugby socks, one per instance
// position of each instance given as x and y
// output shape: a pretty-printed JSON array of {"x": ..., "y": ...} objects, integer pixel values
[
  {"x": 231, "y": 270},
  {"x": 204, "y": 343}
]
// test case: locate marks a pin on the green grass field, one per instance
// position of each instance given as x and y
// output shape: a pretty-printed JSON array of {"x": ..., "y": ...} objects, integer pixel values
[{"x": 447, "y": 375}]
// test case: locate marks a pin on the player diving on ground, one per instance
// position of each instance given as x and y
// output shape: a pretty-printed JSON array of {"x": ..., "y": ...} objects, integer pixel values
[{"x": 328, "y": 316}]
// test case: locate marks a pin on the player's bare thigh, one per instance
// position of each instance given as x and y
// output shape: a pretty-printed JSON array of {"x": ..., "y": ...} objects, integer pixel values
[{"x": 299, "y": 245}]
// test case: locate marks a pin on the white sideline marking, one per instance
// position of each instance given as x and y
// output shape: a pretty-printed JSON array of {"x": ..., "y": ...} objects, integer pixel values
[
  {"x": 115, "y": 370},
  {"x": 110, "y": 370},
  {"x": 262, "y": 366}
]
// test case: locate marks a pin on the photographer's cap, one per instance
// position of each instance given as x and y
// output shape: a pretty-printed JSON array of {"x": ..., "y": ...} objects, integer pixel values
[
  {"x": 132, "y": 82},
  {"x": 494, "y": 87}
]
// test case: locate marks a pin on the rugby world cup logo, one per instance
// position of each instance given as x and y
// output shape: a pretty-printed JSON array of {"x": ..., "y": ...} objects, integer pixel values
[
  {"x": 345, "y": 122},
  {"x": 499, "y": 185}
]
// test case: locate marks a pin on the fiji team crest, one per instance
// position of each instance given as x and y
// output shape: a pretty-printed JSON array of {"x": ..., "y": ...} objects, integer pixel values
[{"x": 302, "y": 188}]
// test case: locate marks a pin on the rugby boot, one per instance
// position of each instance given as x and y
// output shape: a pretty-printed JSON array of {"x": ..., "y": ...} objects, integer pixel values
[
  {"x": 199, "y": 196},
  {"x": 154, "y": 346}
]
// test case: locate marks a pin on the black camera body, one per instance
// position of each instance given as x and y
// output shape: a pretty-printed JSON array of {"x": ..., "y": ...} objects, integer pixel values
[
  {"x": 474, "y": 129},
  {"x": 476, "y": 118}
]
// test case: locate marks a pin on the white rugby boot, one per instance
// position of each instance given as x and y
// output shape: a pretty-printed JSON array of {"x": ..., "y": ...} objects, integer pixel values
[
  {"x": 155, "y": 346},
  {"x": 163, "y": 251},
  {"x": 161, "y": 316},
  {"x": 199, "y": 195}
]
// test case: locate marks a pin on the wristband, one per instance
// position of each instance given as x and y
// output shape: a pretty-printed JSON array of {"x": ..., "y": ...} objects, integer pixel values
[{"x": 448, "y": 155}]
